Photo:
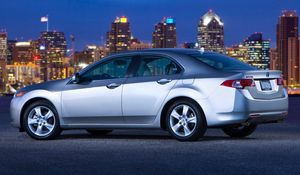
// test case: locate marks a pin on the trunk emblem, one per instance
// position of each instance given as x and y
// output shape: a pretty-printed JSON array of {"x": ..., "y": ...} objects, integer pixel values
[{"x": 267, "y": 74}]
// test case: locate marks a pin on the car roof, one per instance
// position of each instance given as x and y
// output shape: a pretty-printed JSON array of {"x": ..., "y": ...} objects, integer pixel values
[{"x": 183, "y": 51}]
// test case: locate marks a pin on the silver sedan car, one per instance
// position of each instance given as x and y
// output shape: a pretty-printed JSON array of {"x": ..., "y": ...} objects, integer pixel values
[{"x": 183, "y": 91}]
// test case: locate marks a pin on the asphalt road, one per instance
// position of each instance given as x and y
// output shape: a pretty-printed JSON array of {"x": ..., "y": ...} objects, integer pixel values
[{"x": 272, "y": 149}]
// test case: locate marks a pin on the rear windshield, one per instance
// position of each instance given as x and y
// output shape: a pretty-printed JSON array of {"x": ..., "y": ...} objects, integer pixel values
[{"x": 222, "y": 62}]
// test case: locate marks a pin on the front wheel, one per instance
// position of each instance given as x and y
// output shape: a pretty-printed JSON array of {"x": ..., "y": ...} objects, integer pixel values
[
  {"x": 185, "y": 121},
  {"x": 240, "y": 131},
  {"x": 41, "y": 121}
]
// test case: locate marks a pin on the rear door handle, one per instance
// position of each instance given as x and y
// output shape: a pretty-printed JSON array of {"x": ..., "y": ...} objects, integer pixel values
[
  {"x": 164, "y": 81},
  {"x": 113, "y": 85}
]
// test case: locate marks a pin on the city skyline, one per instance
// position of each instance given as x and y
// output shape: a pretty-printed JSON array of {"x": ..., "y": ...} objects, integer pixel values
[{"x": 89, "y": 20}]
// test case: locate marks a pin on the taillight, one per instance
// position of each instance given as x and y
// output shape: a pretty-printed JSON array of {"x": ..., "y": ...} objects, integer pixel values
[
  {"x": 279, "y": 81},
  {"x": 239, "y": 84}
]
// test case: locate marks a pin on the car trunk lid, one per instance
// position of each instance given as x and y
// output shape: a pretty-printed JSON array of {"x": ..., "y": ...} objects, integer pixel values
[{"x": 268, "y": 84}]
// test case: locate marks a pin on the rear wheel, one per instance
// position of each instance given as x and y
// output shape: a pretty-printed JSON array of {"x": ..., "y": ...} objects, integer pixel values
[
  {"x": 41, "y": 121},
  {"x": 98, "y": 131},
  {"x": 185, "y": 121},
  {"x": 240, "y": 131}
]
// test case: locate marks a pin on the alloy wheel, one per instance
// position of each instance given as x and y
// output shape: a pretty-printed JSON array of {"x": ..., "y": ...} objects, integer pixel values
[
  {"x": 41, "y": 121},
  {"x": 183, "y": 120}
]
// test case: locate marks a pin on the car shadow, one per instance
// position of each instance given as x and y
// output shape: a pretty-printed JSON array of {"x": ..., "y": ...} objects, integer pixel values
[{"x": 126, "y": 136}]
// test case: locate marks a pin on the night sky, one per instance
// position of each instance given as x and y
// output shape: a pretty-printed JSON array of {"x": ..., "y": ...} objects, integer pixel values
[{"x": 89, "y": 20}]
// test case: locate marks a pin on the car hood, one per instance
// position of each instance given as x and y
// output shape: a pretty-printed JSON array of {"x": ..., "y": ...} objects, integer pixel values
[{"x": 55, "y": 85}]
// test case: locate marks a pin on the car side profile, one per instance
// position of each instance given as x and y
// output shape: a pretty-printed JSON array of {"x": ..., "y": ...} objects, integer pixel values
[{"x": 184, "y": 91}]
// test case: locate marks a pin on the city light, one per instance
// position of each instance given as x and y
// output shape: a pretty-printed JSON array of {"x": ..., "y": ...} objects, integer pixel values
[
  {"x": 23, "y": 44},
  {"x": 169, "y": 20},
  {"x": 123, "y": 19}
]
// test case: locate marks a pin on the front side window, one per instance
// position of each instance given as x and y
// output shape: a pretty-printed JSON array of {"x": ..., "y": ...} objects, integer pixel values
[
  {"x": 156, "y": 66},
  {"x": 115, "y": 68}
]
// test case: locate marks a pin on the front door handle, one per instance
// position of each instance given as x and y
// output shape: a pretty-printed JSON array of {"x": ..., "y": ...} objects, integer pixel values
[
  {"x": 164, "y": 81},
  {"x": 113, "y": 85}
]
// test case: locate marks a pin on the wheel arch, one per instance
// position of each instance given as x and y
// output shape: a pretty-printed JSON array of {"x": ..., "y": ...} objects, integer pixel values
[
  {"x": 26, "y": 104},
  {"x": 164, "y": 111}
]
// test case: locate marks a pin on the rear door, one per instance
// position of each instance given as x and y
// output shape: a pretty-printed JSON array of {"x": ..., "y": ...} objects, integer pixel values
[{"x": 144, "y": 92}]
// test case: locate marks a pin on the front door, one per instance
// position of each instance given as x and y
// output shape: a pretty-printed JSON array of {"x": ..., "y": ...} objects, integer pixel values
[{"x": 96, "y": 99}]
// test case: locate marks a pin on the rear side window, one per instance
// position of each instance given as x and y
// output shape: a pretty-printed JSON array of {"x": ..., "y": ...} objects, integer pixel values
[
  {"x": 222, "y": 62},
  {"x": 156, "y": 66}
]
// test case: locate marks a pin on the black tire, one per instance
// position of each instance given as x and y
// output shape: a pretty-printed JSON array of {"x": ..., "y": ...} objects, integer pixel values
[
  {"x": 98, "y": 132},
  {"x": 199, "y": 127},
  {"x": 55, "y": 120},
  {"x": 239, "y": 131}
]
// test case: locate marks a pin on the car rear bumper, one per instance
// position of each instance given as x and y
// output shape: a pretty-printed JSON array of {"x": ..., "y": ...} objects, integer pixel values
[{"x": 238, "y": 107}]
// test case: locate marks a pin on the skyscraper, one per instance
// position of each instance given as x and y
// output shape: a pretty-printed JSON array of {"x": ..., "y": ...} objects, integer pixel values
[
  {"x": 164, "y": 35},
  {"x": 53, "y": 48},
  {"x": 258, "y": 51},
  {"x": 288, "y": 47},
  {"x": 3, "y": 60},
  {"x": 211, "y": 32},
  {"x": 118, "y": 38}
]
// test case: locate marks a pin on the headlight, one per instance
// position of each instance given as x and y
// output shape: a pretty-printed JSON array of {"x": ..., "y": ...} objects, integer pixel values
[{"x": 20, "y": 94}]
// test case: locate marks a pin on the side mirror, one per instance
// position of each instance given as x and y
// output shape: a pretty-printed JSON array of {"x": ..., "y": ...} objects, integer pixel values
[{"x": 76, "y": 78}]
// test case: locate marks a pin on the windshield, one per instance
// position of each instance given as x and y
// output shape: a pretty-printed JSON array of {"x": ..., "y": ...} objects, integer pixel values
[{"x": 222, "y": 62}]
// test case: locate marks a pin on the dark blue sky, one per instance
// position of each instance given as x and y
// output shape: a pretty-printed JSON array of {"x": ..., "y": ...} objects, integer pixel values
[{"x": 88, "y": 20}]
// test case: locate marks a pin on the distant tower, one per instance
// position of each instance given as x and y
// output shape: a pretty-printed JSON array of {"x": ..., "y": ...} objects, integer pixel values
[
  {"x": 258, "y": 51},
  {"x": 164, "y": 35},
  {"x": 211, "y": 32},
  {"x": 288, "y": 47},
  {"x": 118, "y": 38},
  {"x": 53, "y": 48}
]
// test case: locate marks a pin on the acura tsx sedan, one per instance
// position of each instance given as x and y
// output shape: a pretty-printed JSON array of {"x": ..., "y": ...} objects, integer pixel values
[{"x": 183, "y": 91}]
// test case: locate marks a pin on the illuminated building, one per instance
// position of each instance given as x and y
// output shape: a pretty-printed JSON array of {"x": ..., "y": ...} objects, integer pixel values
[
  {"x": 164, "y": 35},
  {"x": 88, "y": 56},
  {"x": 20, "y": 75},
  {"x": 97, "y": 52},
  {"x": 237, "y": 51},
  {"x": 24, "y": 68},
  {"x": 258, "y": 51},
  {"x": 136, "y": 44},
  {"x": 118, "y": 38},
  {"x": 288, "y": 47},
  {"x": 22, "y": 53},
  {"x": 53, "y": 47},
  {"x": 211, "y": 32},
  {"x": 82, "y": 59},
  {"x": 3, "y": 60}
]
